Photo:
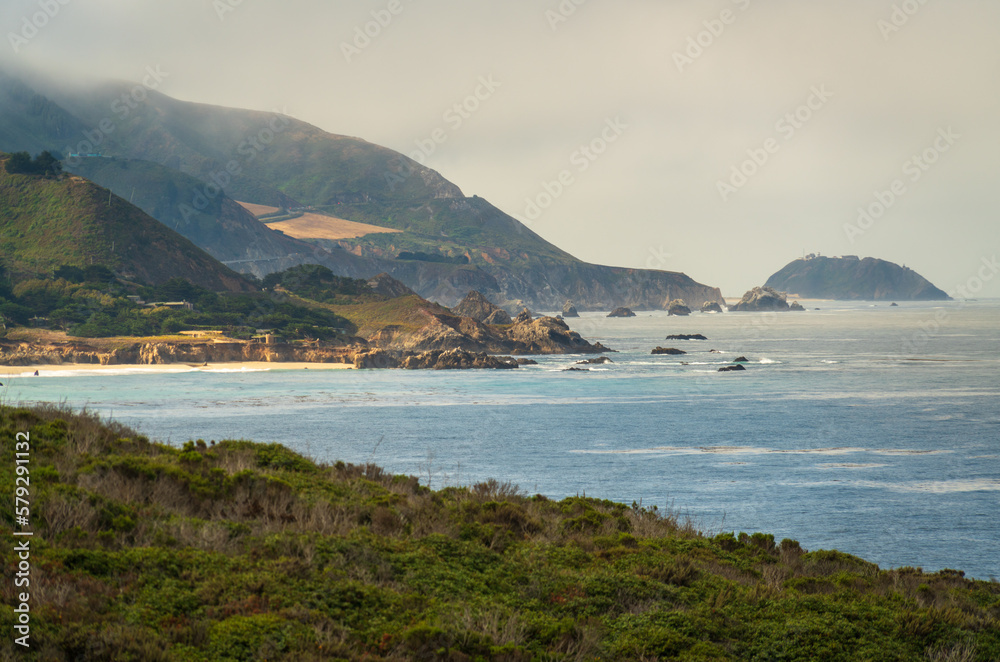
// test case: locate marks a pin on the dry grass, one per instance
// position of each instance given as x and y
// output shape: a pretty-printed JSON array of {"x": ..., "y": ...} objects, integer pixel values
[
  {"x": 258, "y": 210},
  {"x": 320, "y": 226}
]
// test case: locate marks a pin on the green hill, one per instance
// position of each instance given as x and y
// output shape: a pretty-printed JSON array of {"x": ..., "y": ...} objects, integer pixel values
[
  {"x": 850, "y": 278},
  {"x": 241, "y": 551},
  {"x": 49, "y": 222}
]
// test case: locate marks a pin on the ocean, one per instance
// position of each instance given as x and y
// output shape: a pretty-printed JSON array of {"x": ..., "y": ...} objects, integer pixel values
[{"x": 866, "y": 428}]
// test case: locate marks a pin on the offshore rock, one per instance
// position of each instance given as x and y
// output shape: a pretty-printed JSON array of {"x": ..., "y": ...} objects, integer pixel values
[
  {"x": 621, "y": 312},
  {"x": 678, "y": 307},
  {"x": 762, "y": 299}
]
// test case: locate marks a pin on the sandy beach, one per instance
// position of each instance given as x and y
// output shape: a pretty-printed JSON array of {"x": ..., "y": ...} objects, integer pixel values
[{"x": 68, "y": 369}]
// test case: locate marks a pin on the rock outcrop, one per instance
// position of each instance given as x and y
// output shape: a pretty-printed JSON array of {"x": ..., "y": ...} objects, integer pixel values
[
  {"x": 795, "y": 305},
  {"x": 668, "y": 350},
  {"x": 687, "y": 336},
  {"x": 732, "y": 368},
  {"x": 600, "y": 360},
  {"x": 569, "y": 310},
  {"x": 621, "y": 312},
  {"x": 762, "y": 299},
  {"x": 453, "y": 359},
  {"x": 711, "y": 307},
  {"x": 499, "y": 316},
  {"x": 548, "y": 335},
  {"x": 678, "y": 307},
  {"x": 481, "y": 309},
  {"x": 523, "y": 316},
  {"x": 388, "y": 286}
]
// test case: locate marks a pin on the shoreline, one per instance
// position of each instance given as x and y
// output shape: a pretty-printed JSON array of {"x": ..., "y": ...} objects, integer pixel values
[{"x": 47, "y": 370}]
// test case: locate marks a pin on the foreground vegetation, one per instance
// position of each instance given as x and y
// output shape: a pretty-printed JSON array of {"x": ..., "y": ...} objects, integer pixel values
[{"x": 243, "y": 551}]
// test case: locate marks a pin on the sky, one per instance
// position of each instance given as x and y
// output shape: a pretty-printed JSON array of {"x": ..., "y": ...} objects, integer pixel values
[{"x": 720, "y": 138}]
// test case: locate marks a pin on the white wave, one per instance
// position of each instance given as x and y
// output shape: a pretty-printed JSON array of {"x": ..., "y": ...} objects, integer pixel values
[
  {"x": 223, "y": 370},
  {"x": 942, "y": 486},
  {"x": 850, "y": 465},
  {"x": 107, "y": 372},
  {"x": 768, "y": 361},
  {"x": 757, "y": 450}
]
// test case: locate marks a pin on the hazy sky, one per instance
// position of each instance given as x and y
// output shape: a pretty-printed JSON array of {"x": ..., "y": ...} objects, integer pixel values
[{"x": 826, "y": 107}]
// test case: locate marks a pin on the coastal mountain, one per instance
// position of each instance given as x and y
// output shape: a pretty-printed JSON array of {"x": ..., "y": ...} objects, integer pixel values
[
  {"x": 446, "y": 245},
  {"x": 852, "y": 278},
  {"x": 219, "y": 225},
  {"x": 48, "y": 222}
]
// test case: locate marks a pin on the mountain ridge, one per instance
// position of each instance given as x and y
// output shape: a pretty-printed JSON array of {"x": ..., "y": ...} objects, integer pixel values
[{"x": 272, "y": 159}]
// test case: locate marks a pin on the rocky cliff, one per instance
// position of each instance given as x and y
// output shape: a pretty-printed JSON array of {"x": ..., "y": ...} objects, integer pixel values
[{"x": 159, "y": 353}]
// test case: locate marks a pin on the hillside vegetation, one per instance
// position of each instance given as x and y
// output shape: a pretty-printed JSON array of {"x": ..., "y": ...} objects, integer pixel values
[
  {"x": 238, "y": 551},
  {"x": 53, "y": 221}
]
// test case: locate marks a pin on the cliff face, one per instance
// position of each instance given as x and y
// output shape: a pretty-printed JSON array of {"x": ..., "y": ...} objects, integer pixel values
[
  {"x": 549, "y": 286},
  {"x": 850, "y": 278},
  {"x": 19, "y": 354}
]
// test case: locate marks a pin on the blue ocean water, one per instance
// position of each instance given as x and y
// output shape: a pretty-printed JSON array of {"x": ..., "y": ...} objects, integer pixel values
[{"x": 869, "y": 429}]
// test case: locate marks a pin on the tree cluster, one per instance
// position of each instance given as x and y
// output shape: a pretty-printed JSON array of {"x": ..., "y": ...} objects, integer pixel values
[{"x": 45, "y": 164}]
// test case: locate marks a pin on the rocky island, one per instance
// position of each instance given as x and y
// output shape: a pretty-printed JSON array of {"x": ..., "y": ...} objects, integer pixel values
[{"x": 853, "y": 278}]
